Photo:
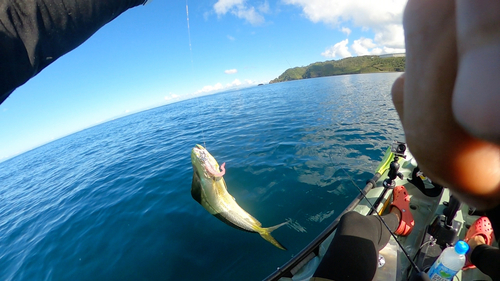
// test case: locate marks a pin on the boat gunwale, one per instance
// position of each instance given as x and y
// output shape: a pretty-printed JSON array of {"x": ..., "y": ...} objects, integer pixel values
[{"x": 313, "y": 247}]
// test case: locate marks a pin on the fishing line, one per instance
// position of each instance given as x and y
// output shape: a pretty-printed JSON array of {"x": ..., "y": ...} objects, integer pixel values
[
  {"x": 192, "y": 68},
  {"x": 413, "y": 264},
  {"x": 189, "y": 35}
]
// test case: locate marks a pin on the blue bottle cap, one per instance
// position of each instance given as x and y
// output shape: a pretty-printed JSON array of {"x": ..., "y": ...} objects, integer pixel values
[{"x": 461, "y": 247}]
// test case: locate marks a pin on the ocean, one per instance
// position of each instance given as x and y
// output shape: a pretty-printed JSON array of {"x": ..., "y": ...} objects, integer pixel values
[{"x": 113, "y": 202}]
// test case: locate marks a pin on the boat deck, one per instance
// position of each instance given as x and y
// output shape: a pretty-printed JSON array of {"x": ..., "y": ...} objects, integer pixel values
[{"x": 424, "y": 209}]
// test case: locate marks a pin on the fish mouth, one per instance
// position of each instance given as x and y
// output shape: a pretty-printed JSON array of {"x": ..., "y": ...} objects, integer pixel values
[
  {"x": 199, "y": 153},
  {"x": 204, "y": 161},
  {"x": 198, "y": 148}
]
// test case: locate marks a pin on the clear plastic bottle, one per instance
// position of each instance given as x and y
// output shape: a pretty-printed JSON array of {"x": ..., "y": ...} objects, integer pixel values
[{"x": 451, "y": 260}]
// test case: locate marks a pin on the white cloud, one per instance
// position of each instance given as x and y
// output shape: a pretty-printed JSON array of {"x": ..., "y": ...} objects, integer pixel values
[
  {"x": 264, "y": 7},
  {"x": 378, "y": 51},
  {"x": 339, "y": 50},
  {"x": 346, "y": 30},
  {"x": 392, "y": 50},
  {"x": 362, "y": 45},
  {"x": 236, "y": 83},
  {"x": 231, "y": 71},
  {"x": 223, "y": 6},
  {"x": 382, "y": 17},
  {"x": 231, "y": 38},
  {"x": 171, "y": 96},
  {"x": 241, "y": 10},
  {"x": 363, "y": 13},
  {"x": 210, "y": 88},
  {"x": 391, "y": 35}
]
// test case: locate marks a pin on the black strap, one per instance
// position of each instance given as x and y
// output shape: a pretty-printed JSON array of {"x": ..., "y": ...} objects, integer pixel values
[{"x": 419, "y": 183}]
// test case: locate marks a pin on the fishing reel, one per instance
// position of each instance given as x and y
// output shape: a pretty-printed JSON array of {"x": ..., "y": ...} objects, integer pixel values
[{"x": 398, "y": 149}]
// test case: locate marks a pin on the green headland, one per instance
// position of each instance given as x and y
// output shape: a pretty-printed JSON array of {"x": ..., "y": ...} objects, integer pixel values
[{"x": 353, "y": 65}]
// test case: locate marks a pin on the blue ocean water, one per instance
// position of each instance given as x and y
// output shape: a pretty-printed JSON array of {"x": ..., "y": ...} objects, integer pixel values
[{"x": 113, "y": 202}]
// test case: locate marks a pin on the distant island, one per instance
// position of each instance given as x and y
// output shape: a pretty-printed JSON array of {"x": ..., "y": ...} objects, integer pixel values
[{"x": 353, "y": 65}]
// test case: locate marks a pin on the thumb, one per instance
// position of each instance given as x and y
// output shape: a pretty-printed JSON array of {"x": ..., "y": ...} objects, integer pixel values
[{"x": 397, "y": 93}]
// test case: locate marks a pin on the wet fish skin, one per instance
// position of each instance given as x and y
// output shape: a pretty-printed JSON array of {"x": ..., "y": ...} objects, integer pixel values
[{"x": 209, "y": 189}]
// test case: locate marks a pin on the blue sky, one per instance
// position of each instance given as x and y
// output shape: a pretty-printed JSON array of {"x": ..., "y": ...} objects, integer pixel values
[{"x": 143, "y": 58}]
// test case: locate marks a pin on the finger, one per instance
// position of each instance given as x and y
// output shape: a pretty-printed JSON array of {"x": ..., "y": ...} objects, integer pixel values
[
  {"x": 430, "y": 77},
  {"x": 397, "y": 92},
  {"x": 444, "y": 151},
  {"x": 477, "y": 92}
]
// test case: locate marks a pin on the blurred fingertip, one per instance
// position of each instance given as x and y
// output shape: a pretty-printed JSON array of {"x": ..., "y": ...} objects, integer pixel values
[{"x": 397, "y": 93}]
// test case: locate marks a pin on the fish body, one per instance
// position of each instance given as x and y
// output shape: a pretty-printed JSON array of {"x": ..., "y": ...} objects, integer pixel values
[{"x": 210, "y": 190}]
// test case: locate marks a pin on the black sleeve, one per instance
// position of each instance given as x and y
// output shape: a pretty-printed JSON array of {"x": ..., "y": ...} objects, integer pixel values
[
  {"x": 34, "y": 33},
  {"x": 487, "y": 259}
]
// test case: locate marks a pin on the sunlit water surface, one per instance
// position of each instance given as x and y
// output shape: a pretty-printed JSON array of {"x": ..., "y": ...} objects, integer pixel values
[{"x": 113, "y": 202}]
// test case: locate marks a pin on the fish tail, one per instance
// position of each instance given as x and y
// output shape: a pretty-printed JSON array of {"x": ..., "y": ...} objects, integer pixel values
[{"x": 266, "y": 234}]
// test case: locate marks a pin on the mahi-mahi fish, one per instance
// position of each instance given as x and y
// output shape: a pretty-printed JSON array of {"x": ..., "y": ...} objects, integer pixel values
[{"x": 209, "y": 189}]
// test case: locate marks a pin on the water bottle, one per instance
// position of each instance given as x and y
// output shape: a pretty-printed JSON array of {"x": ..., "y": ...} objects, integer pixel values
[{"x": 451, "y": 260}]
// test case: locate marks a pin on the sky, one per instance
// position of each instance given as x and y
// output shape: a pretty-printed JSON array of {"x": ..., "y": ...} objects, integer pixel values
[{"x": 149, "y": 56}]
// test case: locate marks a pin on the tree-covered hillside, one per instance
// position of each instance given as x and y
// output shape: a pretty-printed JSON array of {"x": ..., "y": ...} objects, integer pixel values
[{"x": 355, "y": 65}]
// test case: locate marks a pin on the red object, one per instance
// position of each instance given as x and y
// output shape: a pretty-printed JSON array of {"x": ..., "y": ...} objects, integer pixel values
[{"x": 401, "y": 200}]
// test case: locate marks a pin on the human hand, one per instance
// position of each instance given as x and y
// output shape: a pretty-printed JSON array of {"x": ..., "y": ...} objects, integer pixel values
[{"x": 448, "y": 98}]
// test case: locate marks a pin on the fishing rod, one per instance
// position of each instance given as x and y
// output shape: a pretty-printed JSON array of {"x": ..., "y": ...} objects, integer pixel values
[
  {"x": 413, "y": 264},
  {"x": 421, "y": 275}
]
